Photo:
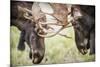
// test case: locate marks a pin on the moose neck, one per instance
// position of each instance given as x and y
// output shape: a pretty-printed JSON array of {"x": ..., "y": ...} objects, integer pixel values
[{"x": 20, "y": 24}]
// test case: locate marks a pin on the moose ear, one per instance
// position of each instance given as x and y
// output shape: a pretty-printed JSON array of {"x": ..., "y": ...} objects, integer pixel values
[
  {"x": 76, "y": 12},
  {"x": 21, "y": 45}
]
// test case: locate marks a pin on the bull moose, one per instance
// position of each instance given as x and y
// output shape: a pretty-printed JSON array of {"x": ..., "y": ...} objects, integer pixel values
[
  {"x": 28, "y": 33},
  {"x": 84, "y": 28},
  {"x": 29, "y": 19}
]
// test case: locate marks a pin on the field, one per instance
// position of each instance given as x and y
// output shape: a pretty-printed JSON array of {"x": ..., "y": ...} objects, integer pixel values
[{"x": 58, "y": 50}]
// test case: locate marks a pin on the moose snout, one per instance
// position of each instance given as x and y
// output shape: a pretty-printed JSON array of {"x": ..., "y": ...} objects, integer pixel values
[
  {"x": 83, "y": 51},
  {"x": 36, "y": 57},
  {"x": 36, "y": 53}
]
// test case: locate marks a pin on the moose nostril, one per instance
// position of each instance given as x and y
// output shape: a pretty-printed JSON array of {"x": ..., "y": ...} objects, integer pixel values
[
  {"x": 83, "y": 51},
  {"x": 36, "y": 57},
  {"x": 36, "y": 53}
]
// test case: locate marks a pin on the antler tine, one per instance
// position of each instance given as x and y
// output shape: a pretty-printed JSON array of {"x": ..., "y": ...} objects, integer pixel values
[
  {"x": 28, "y": 17},
  {"x": 24, "y": 9},
  {"x": 59, "y": 24},
  {"x": 25, "y": 12},
  {"x": 47, "y": 36},
  {"x": 64, "y": 35},
  {"x": 61, "y": 18}
]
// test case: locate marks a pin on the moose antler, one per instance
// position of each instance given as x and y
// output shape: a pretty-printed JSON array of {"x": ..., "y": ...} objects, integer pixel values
[
  {"x": 60, "y": 14},
  {"x": 39, "y": 17}
]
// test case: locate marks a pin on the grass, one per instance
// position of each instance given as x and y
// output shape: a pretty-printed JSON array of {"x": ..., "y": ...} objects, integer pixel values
[{"x": 58, "y": 50}]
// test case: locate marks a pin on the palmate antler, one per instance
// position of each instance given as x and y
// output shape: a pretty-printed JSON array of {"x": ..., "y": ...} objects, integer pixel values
[
  {"x": 60, "y": 14},
  {"x": 39, "y": 17}
]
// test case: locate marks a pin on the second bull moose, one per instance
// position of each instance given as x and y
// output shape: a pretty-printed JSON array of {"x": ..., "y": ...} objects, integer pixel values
[
  {"x": 85, "y": 28},
  {"x": 31, "y": 21}
]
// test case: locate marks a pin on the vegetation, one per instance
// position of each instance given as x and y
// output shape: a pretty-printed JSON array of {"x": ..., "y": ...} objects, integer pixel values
[{"x": 58, "y": 49}]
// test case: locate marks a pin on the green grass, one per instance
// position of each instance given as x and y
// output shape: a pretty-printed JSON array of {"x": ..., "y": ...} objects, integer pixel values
[{"x": 58, "y": 50}]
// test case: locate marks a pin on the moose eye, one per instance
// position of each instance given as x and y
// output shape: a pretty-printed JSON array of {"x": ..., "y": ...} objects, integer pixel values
[{"x": 33, "y": 38}]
